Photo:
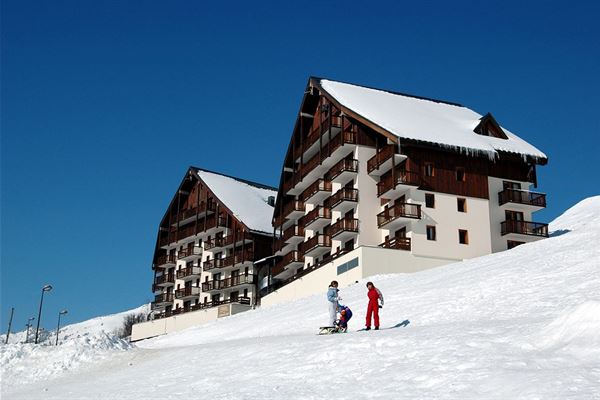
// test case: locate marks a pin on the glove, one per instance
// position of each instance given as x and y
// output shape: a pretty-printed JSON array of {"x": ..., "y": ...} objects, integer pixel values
[{"x": 381, "y": 306}]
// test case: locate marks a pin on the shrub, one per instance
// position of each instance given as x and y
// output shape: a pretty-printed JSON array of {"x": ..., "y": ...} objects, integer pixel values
[{"x": 128, "y": 322}]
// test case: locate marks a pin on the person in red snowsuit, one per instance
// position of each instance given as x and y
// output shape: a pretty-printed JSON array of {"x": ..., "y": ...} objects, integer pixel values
[{"x": 375, "y": 297}]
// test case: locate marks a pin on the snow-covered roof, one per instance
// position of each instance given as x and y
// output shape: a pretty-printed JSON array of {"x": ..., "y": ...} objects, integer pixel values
[
  {"x": 248, "y": 201},
  {"x": 440, "y": 123}
]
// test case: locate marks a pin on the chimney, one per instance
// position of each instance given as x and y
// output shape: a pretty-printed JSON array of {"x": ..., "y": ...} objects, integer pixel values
[{"x": 271, "y": 201}]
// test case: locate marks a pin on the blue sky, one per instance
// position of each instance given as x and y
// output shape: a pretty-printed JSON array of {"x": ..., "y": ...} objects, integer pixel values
[{"x": 105, "y": 105}]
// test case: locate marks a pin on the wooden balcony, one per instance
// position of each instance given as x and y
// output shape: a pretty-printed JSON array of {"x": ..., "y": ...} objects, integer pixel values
[
  {"x": 527, "y": 228},
  {"x": 316, "y": 245},
  {"x": 165, "y": 280},
  {"x": 344, "y": 229},
  {"x": 522, "y": 199},
  {"x": 228, "y": 283},
  {"x": 293, "y": 234},
  {"x": 339, "y": 142},
  {"x": 398, "y": 215},
  {"x": 160, "y": 300},
  {"x": 384, "y": 159},
  {"x": 189, "y": 273},
  {"x": 317, "y": 218},
  {"x": 290, "y": 260},
  {"x": 291, "y": 211},
  {"x": 342, "y": 170},
  {"x": 398, "y": 243},
  {"x": 165, "y": 261},
  {"x": 190, "y": 253},
  {"x": 229, "y": 261},
  {"x": 240, "y": 300},
  {"x": 317, "y": 191},
  {"x": 397, "y": 182},
  {"x": 343, "y": 200},
  {"x": 186, "y": 232},
  {"x": 187, "y": 293}
]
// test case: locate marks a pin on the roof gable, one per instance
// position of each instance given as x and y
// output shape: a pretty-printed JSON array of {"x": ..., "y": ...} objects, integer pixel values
[
  {"x": 444, "y": 124},
  {"x": 248, "y": 201}
]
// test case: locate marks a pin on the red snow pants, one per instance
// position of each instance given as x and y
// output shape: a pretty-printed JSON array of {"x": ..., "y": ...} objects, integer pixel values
[{"x": 373, "y": 310}]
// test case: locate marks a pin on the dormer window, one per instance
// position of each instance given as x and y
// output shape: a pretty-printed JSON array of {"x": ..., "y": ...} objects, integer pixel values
[{"x": 489, "y": 127}]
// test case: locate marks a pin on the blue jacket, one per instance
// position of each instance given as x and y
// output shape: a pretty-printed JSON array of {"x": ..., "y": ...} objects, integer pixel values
[{"x": 332, "y": 294}]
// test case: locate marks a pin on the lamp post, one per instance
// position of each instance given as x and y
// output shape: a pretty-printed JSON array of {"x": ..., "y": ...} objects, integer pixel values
[
  {"x": 63, "y": 312},
  {"x": 28, "y": 326},
  {"x": 45, "y": 289}
]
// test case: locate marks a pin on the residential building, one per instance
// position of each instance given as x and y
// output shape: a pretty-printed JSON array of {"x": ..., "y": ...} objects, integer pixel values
[
  {"x": 215, "y": 227},
  {"x": 377, "y": 181}
]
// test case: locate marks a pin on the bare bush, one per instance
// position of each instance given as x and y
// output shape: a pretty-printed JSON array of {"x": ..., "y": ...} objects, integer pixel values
[{"x": 128, "y": 322}]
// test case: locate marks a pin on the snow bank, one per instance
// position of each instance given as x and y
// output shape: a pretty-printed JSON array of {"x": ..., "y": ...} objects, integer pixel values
[
  {"x": 575, "y": 331},
  {"x": 27, "y": 363}
]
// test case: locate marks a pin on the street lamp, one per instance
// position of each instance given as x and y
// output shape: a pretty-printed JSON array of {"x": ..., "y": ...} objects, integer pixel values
[
  {"x": 63, "y": 312},
  {"x": 28, "y": 326},
  {"x": 45, "y": 289}
]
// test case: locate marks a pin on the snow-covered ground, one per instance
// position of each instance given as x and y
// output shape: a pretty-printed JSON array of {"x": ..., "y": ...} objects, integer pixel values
[
  {"x": 522, "y": 324},
  {"x": 79, "y": 344}
]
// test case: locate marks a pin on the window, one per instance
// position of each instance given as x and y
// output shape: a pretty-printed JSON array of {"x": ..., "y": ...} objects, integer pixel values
[
  {"x": 463, "y": 236},
  {"x": 512, "y": 243},
  {"x": 429, "y": 200},
  {"x": 430, "y": 232},
  {"x": 461, "y": 205},
  {"x": 460, "y": 174},
  {"x": 429, "y": 169},
  {"x": 511, "y": 185}
]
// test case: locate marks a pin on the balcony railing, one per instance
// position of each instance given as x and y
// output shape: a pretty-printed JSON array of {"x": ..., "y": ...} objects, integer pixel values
[
  {"x": 189, "y": 252},
  {"x": 228, "y": 282},
  {"x": 344, "y": 225},
  {"x": 290, "y": 258},
  {"x": 189, "y": 272},
  {"x": 163, "y": 298},
  {"x": 165, "y": 279},
  {"x": 320, "y": 185},
  {"x": 315, "y": 214},
  {"x": 401, "y": 210},
  {"x": 380, "y": 157},
  {"x": 289, "y": 208},
  {"x": 187, "y": 292},
  {"x": 316, "y": 241},
  {"x": 186, "y": 232},
  {"x": 311, "y": 164},
  {"x": 345, "y": 165},
  {"x": 344, "y": 194},
  {"x": 522, "y": 197},
  {"x": 292, "y": 231},
  {"x": 398, "y": 243},
  {"x": 401, "y": 178},
  {"x": 345, "y": 137},
  {"x": 229, "y": 261},
  {"x": 524, "y": 228},
  {"x": 164, "y": 260}
]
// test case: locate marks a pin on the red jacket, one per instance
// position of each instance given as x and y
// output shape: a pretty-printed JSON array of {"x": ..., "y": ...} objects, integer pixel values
[{"x": 374, "y": 294}]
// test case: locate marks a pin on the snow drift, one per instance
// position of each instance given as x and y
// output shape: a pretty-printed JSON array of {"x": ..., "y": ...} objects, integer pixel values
[{"x": 521, "y": 324}]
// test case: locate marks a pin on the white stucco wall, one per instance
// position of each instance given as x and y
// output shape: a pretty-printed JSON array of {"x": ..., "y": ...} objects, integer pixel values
[{"x": 448, "y": 220}]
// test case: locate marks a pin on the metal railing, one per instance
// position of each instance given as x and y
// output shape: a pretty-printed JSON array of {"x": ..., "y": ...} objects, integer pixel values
[
  {"x": 524, "y": 228},
  {"x": 404, "y": 210},
  {"x": 509, "y": 195}
]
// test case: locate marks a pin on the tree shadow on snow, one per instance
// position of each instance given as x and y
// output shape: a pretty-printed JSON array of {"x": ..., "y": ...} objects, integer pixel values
[
  {"x": 402, "y": 324},
  {"x": 559, "y": 232}
]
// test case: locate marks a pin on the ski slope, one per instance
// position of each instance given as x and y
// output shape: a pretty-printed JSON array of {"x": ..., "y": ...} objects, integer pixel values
[{"x": 522, "y": 324}]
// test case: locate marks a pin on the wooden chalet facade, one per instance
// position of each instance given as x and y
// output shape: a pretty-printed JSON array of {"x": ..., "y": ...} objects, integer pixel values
[
  {"x": 213, "y": 230},
  {"x": 364, "y": 168}
]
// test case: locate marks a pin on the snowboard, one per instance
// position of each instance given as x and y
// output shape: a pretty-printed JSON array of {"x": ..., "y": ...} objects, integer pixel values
[{"x": 329, "y": 330}]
